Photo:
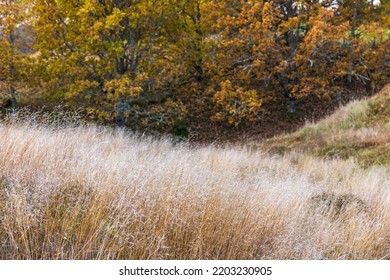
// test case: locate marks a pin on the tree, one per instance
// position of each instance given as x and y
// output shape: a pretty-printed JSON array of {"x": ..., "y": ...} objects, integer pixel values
[
  {"x": 345, "y": 47},
  {"x": 15, "y": 43},
  {"x": 288, "y": 50},
  {"x": 99, "y": 52},
  {"x": 260, "y": 39},
  {"x": 152, "y": 61}
]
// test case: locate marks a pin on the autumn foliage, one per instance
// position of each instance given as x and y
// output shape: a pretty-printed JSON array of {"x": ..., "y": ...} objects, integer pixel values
[{"x": 152, "y": 64}]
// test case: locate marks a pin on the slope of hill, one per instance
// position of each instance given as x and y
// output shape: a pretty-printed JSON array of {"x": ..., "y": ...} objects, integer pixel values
[
  {"x": 92, "y": 193},
  {"x": 360, "y": 130}
]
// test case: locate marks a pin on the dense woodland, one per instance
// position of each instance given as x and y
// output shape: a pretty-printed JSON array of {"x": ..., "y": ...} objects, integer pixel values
[{"x": 193, "y": 67}]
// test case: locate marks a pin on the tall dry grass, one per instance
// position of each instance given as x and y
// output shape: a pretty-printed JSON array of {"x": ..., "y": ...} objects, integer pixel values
[{"x": 93, "y": 193}]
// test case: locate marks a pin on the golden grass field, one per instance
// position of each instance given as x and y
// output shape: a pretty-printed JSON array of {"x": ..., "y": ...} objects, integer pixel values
[
  {"x": 92, "y": 193},
  {"x": 84, "y": 192}
]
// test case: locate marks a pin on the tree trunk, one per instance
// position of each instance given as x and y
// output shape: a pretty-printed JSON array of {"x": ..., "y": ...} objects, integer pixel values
[
  {"x": 354, "y": 36},
  {"x": 12, "y": 90},
  {"x": 198, "y": 63}
]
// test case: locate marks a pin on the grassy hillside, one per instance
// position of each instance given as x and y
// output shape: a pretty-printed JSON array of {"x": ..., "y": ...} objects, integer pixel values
[
  {"x": 92, "y": 193},
  {"x": 360, "y": 130}
]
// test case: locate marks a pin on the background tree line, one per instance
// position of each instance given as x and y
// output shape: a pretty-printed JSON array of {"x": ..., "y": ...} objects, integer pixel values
[{"x": 158, "y": 65}]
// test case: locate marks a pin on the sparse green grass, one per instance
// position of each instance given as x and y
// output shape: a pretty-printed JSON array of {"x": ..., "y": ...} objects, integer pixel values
[{"x": 360, "y": 130}]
